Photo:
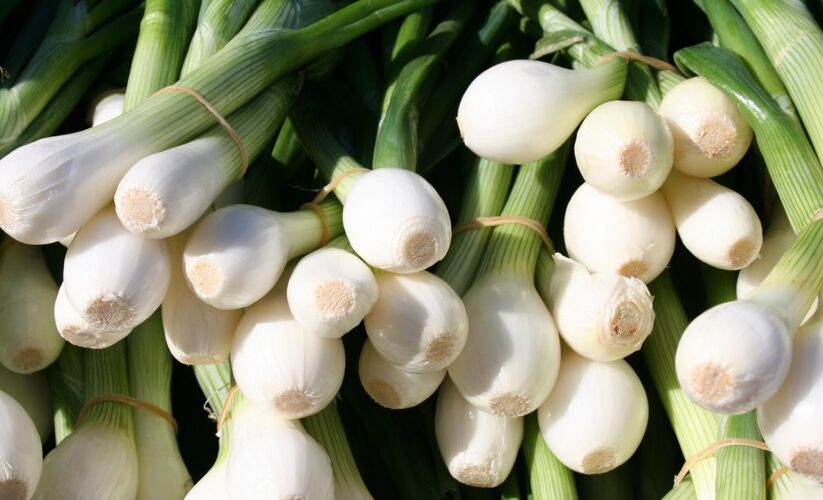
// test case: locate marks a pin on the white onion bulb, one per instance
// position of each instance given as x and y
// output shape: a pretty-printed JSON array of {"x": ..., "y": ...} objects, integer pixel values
[
  {"x": 478, "y": 448},
  {"x": 281, "y": 366},
  {"x": 521, "y": 111},
  {"x": 624, "y": 149},
  {"x": 21, "y": 453},
  {"x": 396, "y": 221},
  {"x": 33, "y": 393},
  {"x": 418, "y": 324},
  {"x": 78, "y": 331},
  {"x": 716, "y": 224},
  {"x": 391, "y": 387},
  {"x": 632, "y": 238},
  {"x": 710, "y": 134},
  {"x": 510, "y": 361},
  {"x": 330, "y": 291},
  {"x": 107, "y": 107},
  {"x": 596, "y": 416}
]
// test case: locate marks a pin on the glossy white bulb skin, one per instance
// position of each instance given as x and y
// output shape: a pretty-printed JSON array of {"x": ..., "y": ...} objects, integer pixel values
[
  {"x": 710, "y": 134},
  {"x": 108, "y": 107},
  {"x": 272, "y": 458},
  {"x": 235, "y": 256},
  {"x": 790, "y": 421},
  {"x": 113, "y": 278},
  {"x": 196, "y": 333},
  {"x": 21, "y": 452},
  {"x": 391, "y": 387},
  {"x": 510, "y": 361},
  {"x": 602, "y": 316},
  {"x": 521, "y": 111},
  {"x": 212, "y": 486},
  {"x": 631, "y": 238},
  {"x": 478, "y": 448},
  {"x": 330, "y": 291},
  {"x": 716, "y": 224},
  {"x": 33, "y": 393},
  {"x": 734, "y": 357},
  {"x": 78, "y": 331},
  {"x": 596, "y": 416},
  {"x": 624, "y": 149},
  {"x": 419, "y": 324},
  {"x": 164, "y": 193},
  {"x": 95, "y": 461},
  {"x": 396, "y": 221},
  {"x": 28, "y": 338},
  {"x": 281, "y": 366}
]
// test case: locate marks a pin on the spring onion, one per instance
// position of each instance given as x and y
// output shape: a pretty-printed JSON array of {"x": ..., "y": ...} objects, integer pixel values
[
  {"x": 21, "y": 455},
  {"x": 624, "y": 149},
  {"x": 639, "y": 234},
  {"x": 75, "y": 329},
  {"x": 32, "y": 392}
]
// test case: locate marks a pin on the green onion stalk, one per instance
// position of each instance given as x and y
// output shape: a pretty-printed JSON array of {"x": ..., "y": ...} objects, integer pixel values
[
  {"x": 66, "y": 380},
  {"x": 27, "y": 39},
  {"x": 683, "y": 491},
  {"x": 548, "y": 477},
  {"x": 219, "y": 21},
  {"x": 741, "y": 470},
  {"x": 410, "y": 35},
  {"x": 793, "y": 41},
  {"x": 228, "y": 80},
  {"x": 77, "y": 35}
]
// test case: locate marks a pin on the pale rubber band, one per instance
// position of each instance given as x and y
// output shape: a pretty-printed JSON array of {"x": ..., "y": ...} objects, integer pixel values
[
  {"x": 634, "y": 56},
  {"x": 241, "y": 148},
  {"x": 818, "y": 215},
  {"x": 224, "y": 413},
  {"x": 207, "y": 405},
  {"x": 328, "y": 188},
  {"x": 324, "y": 221},
  {"x": 121, "y": 398},
  {"x": 776, "y": 475},
  {"x": 481, "y": 222},
  {"x": 722, "y": 443}
]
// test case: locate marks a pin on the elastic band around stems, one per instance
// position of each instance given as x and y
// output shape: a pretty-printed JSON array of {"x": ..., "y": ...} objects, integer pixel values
[
  {"x": 776, "y": 475},
  {"x": 722, "y": 443},
  {"x": 241, "y": 148},
  {"x": 224, "y": 413},
  {"x": 482, "y": 222},
  {"x": 120, "y": 398},
  {"x": 634, "y": 56},
  {"x": 328, "y": 188},
  {"x": 324, "y": 221}
]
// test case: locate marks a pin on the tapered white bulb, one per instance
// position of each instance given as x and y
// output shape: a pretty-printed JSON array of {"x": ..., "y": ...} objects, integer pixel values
[
  {"x": 281, "y": 366},
  {"x": 273, "y": 458},
  {"x": 790, "y": 420},
  {"x": 29, "y": 340},
  {"x": 94, "y": 461},
  {"x": 33, "y": 393},
  {"x": 521, "y": 111},
  {"x": 419, "y": 323},
  {"x": 716, "y": 224},
  {"x": 156, "y": 198},
  {"x": 624, "y": 149},
  {"x": 510, "y": 361},
  {"x": 478, "y": 448},
  {"x": 113, "y": 278},
  {"x": 631, "y": 238},
  {"x": 710, "y": 134},
  {"x": 212, "y": 486},
  {"x": 717, "y": 374},
  {"x": 78, "y": 331},
  {"x": 396, "y": 221},
  {"x": 602, "y": 316},
  {"x": 196, "y": 333},
  {"x": 595, "y": 417},
  {"x": 330, "y": 291},
  {"x": 21, "y": 452},
  {"x": 391, "y": 387}
]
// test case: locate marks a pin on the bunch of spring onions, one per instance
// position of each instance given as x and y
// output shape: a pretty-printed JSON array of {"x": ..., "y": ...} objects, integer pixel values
[{"x": 411, "y": 249}]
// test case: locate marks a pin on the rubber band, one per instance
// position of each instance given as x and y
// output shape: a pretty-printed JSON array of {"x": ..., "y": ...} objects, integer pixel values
[
  {"x": 241, "y": 148},
  {"x": 324, "y": 221},
  {"x": 328, "y": 188},
  {"x": 121, "y": 398},
  {"x": 818, "y": 215},
  {"x": 224, "y": 413},
  {"x": 482, "y": 222},
  {"x": 776, "y": 475},
  {"x": 634, "y": 56},
  {"x": 722, "y": 443}
]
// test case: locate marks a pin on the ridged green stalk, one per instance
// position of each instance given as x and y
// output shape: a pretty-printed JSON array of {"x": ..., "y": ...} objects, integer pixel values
[
  {"x": 683, "y": 491},
  {"x": 218, "y": 22},
  {"x": 487, "y": 189},
  {"x": 411, "y": 34},
  {"x": 105, "y": 375},
  {"x": 794, "y": 43},
  {"x": 68, "y": 384},
  {"x": 548, "y": 477},
  {"x": 793, "y": 167}
]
